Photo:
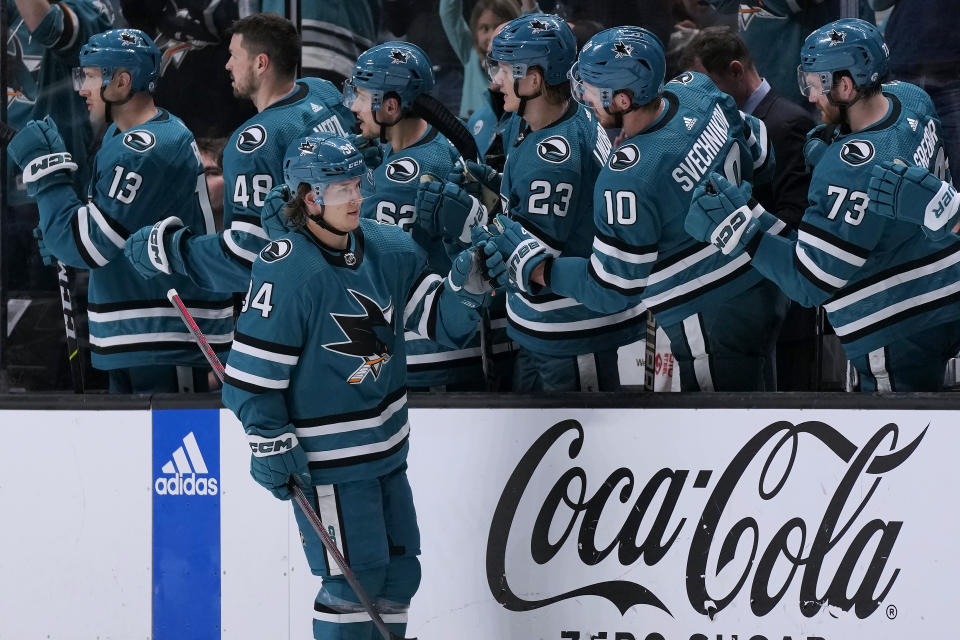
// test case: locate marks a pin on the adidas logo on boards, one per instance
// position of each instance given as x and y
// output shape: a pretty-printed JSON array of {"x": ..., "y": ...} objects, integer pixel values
[
  {"x": 689, "y": 122},
  {"x": 181, "y": 471}
]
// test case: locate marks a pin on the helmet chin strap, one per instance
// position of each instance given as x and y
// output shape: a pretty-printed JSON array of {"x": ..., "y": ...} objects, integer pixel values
[
  {"x": 108, "y": 104},
  {"x": 521, "y": 133},
  {"x": 618, "y": 116},
  {"x": 844, "y": 107},
  {"x": 383, "y": 125},
  {"x": 318, "y": 218}
]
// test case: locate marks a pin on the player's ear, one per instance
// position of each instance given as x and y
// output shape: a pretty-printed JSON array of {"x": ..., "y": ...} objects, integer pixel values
[
  {"x": 262, "y": 62},
  {"x": 735, "y": 69}
]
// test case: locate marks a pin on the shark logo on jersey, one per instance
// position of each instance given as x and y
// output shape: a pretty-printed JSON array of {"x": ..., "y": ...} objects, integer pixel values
[
  {"x": 554, "y": 149},
  {"x": 369, "y": 337},
  {"x": 277, "y": 250},
  {"x": 251, "y": 138},
  {"x": 683, "y": 78},
  {"x": 403, "y": 170},
  {"x": 857, "y": 152},
  {"x": 624, "y": 157},
  {"x": 139, "y": 140}
]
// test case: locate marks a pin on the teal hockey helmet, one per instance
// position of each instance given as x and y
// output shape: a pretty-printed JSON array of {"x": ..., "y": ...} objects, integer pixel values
[
  {"x": 321, "y": 160},
  {"x": 129, "y": 49},
  {"x": 850, "y": 45},
  {"x": 392, "y": 67},
  {"x": 618, "y": 59},
  {"x": 534, "y": 40}
]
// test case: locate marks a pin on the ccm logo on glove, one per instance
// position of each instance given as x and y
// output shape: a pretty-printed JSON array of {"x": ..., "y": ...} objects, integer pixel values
[
  {"x": 726, "y": 235},
  {"x": 261, "y": 447}
]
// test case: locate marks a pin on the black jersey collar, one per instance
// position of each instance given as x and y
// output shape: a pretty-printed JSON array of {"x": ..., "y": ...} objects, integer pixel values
[
  {"x": 299, "y": 93},
  {"x": 349, "y": 258},
  {"x": 673, "y": 105}
]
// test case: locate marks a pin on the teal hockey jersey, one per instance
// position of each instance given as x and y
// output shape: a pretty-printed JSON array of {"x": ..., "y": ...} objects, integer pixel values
[
  {"x": 547, "y": 186},
  {"x": 140, "y": 176},
  {"x": 641, "y": 253},
  {"x": 252, "y": 166},
  {"x": 877, "y": 278},
  {"x": 320, "y": 348},
  {"x": 392, "y": 202}
]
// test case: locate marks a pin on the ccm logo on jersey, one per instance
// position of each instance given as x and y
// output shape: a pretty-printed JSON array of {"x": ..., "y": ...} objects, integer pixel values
[
  {"x": 251, "y": 138},
  {"x": 277, "y": 250},
  {"x": 554, "y": 149},
  {"x": 624, "y": 157},
  {"x": 403, "y": 170},
  {"x": 139, "y": 140},
  {"x": 857, "y": 152},
  {"x": 262, "y": 447}
]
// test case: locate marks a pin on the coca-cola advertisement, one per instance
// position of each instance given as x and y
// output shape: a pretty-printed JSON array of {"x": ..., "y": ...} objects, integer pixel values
[{"x": 639, "y": 524}]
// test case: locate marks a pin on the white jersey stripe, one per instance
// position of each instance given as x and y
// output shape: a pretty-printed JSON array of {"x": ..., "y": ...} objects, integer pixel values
[
  {"x": 894, "y": 309},
  {"x": 688, "y": 262},
  {"x": 615, "y": 280},
  {"x": 359, "y": 616},
  {"x": 415, "y": 297},
  {"x": 577, "y": 325},
  {"x": 236, "y": 249},
  {"x": 83, "y": 222},
  {"x": 831, "y": 249},
  {"x": 168, "y": 336},
  {"x": 158, "y": 312},
  {"x": 892, "y": 281},
  {"x": 620, "y": 254},
  {"x": 105, "y": 227},
  {"x": 260, "y": 381},
  {"x": 360, "y": 450},
  {"x": 280, "y": 358},
  {"x": 700, "y": 282},
  {"x": 820, "y": 274},
  {"x": 252, "y": 229},
  {"x": 354, "y": 425}
]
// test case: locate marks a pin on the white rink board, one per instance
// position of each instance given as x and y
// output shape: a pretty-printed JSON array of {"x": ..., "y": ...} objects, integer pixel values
[{"x": 76, "y": 502}]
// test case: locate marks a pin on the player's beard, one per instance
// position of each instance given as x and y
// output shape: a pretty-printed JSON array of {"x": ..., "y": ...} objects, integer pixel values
[{"x": 244, "y": 90}]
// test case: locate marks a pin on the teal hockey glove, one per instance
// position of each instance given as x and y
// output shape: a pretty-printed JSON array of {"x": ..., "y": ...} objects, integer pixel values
[
  {"x": 914, "y": 195},
  {"x": 273, "y": 461},
  {"x": 520, "y": 250},
  {"x": 370, "y": 150},
  {"x": 446, "y": 210},
  {"x": 485, "y": 175},
  {"x": 818, "y": 139},
  {"x": 273, "y": 217},
  {"x": 158, "y": 249},
  {"x": 466, "y": 277},
  {"x": 723, "y": 214},
  {"x": 492, "y": 264},
  {"x": 39, "y": 151}
]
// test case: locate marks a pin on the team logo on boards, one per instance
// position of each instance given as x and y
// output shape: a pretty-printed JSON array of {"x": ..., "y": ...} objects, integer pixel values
[
  {"x": 857, "y": 152},
  {"x": 624, "y": 157},
  {"x": 186, "y": 473},
  {"x": 369, "y": 336},
  {"x": 554, "y": 149},
  {"x": 251, "y": 138},
  {"x": 403, "y": 170},
  {"x": 139, "y": 140}
]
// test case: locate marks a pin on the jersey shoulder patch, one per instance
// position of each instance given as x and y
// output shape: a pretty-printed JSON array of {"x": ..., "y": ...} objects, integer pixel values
[
  {"x": 555, "y": 149},
  {"x": 402, "y": 169},
  {"x": 277, "y": 250},
  {"x": 140, "y": 140},
  {"x": 251, "y": 138}
]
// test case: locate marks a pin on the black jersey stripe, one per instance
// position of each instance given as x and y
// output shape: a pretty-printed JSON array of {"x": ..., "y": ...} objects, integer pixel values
[
  {"x": 364, "y": 458},
  {"x": 352, "y": 416},
  {"x": 836, "y": 241},
  {"x": 632, "y": 291},
  {"x": 579, "y": 333},
  {"x": 700, "y": 291},
  {"x": 266, "y": 345},
  {"x": 912, "y": 312}
]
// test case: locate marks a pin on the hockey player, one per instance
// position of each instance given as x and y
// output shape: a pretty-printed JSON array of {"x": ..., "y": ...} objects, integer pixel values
[
  {"x": 148, "y": 167},
  {"x": 722, "y": 320},
  {"x": 554, "y": 152},
  {"x": 317, "y": 376},
  {"x": 888, "y": 291},
  {"x": 386, "y": 81},
  {"x": 264, "y": 50}
]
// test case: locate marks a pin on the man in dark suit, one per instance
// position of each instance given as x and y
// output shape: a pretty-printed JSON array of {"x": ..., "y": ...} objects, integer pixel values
[{"x": 721, "y": 53}]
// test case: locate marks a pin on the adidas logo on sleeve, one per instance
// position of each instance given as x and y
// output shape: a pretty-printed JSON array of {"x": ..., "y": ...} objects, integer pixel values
[{"x": 185, "y": 474}]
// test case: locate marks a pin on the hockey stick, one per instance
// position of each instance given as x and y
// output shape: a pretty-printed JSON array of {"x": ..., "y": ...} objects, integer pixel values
[
  {"x": 295, "y": 489},
  {"x": 435, "y": 113},
  {"x": 64, "y": 279},
  {"x": 198, "y": 336}
]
